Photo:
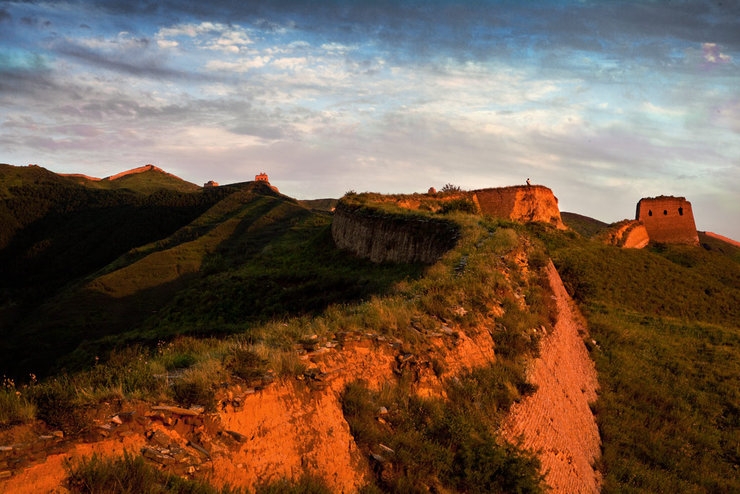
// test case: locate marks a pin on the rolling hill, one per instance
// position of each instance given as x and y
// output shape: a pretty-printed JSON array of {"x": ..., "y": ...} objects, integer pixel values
[{"x": 142, "y": 289}]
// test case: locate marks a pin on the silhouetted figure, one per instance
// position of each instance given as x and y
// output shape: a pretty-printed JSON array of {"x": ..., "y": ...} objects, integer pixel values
[{"x": 528, "y": 182}]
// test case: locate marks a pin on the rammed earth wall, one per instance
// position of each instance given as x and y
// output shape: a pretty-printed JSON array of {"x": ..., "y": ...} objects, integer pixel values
[
  {"x": 524, "y": 203},
  {"x": 386, "y": 237}
]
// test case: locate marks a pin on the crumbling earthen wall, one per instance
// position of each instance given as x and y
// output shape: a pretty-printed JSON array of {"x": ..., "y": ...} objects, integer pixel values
[
  {"x": 383, "y": 237},
  {"x": 668, "y": 219},
  {"x": 628, "y": 234},
  {"x": 524, "y": 203}
]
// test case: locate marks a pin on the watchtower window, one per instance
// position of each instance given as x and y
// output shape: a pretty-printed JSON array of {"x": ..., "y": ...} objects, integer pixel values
[
  {"x": 650, "y": 212},
  {"x": 665, "y": 212},
  {"x": 680, "y": 211}
]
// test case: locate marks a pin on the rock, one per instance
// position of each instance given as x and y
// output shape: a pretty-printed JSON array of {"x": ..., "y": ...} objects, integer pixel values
[
  {"x": 178, "y": 410},
  {"x": 160, "y": 439},
  {"x": 386, "y": 449},
  {"x": 157, "y": 456},
  {"x": 200, "y": 449},
  {"x": 239, "y": 437},
  {"x": 116, "y": 420}
]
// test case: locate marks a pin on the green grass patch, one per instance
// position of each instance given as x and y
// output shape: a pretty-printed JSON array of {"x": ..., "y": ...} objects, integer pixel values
[{"x": 420, "y": 444}]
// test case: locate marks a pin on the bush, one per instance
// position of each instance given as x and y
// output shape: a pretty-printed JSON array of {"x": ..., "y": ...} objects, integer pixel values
[
  {"x": 14, "y": 406},
  {"x": 196, "y": 386},
  {"x": 57, "y": 405},
  {"x": 245, "y": 364}
]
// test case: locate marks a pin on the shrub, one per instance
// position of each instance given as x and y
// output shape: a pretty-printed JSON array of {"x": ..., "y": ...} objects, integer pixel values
[
  {"x": 57, "y": 404},
  {"x": 462, "y": 205},
  {"x": 14, "y": 406},
  {"x": 306, "y": 484},
  {"x": 196, "y": 386},
  {"x": 246, "y": 364}
]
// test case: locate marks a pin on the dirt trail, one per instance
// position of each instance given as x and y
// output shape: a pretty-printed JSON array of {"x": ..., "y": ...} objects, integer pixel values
[{"x": 556, "y": 420}]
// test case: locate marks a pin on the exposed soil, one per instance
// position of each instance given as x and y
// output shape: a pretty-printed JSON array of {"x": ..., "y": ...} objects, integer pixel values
[
  {"x": 556, "y": 420},
  {"x": 291, "y": 427}
]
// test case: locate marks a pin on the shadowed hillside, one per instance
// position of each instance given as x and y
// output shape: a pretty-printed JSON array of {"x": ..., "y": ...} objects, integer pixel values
[
  {"x": 54, "y": 231},
  {"x": 253, "y": 256}
]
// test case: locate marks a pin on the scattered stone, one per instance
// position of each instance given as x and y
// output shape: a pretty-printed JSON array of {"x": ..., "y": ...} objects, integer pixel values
[
  {"x": 156, "y": 456},
  {"x": 160, "y": 438},
  {"x": 379, "y": 458},
  {"x": 116, "y": 420},
  {"x": 200, "y": 449},
  {"x": 58, "y": 434},
  {"x": 386, "y": 449},
  {"x": 382, "y": 411},
  {"x": 238, "y": 436},
  {"x": 177, "y": 410}
]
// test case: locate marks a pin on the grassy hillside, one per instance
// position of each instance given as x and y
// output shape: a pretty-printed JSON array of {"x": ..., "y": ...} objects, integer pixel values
[
  {"x": 228, "y": 298},
  {"x": 254, "y": 256},
  {"x": 54, "y": 231},
  {"x": 145, "y": 182},
  {"x": 665, "y": 324},
  {"x": 585, "y": 226}
]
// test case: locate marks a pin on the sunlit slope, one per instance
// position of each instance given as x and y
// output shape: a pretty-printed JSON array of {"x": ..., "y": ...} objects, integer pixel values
[{"x": 148, "y": 181}]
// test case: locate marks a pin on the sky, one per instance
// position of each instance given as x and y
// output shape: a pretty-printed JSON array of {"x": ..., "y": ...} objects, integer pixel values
[{"x": 605, "y": 102}]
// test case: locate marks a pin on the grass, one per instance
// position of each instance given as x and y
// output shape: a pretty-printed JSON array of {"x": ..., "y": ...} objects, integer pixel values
[
  {"x": 15, "y": 407},
  {"x": 127, "y": 474},
  {"x": 270, "y": 278},
  {"x": 130, "y": 473},
  {"x": 666, "y": 342},
  {"x": 424, "y": 444},
  {"x": 668, "y": 411}
]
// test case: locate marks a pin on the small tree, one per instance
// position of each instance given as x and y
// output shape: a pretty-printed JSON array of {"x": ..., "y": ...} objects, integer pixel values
[{"x": 449, "y": 188}]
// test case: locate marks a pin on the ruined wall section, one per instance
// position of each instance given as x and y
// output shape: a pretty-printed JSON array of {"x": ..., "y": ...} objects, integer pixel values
[
  {"x": 520, "y": 203},
  {"x": 385, "y": 237},
  {"x": 628, "y": 234},
  {"x": 668, "y": 219}
]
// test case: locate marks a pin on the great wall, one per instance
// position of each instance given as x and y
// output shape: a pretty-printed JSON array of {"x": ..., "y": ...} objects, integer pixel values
[{"x": 279, "y": 429}]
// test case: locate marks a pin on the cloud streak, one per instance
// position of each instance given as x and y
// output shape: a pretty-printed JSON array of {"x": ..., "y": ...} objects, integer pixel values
[{"x": 606, "y": 101}]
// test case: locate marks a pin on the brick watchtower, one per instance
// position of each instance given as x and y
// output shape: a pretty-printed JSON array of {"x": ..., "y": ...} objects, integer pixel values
[{"x": 668, "y": 219}]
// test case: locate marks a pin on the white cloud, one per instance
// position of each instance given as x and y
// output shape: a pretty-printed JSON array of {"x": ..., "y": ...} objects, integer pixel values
[
  {"x": 239, "y": 66},
  {"x": 210, "y": 35},
  {"x": 712, "y": 54}
]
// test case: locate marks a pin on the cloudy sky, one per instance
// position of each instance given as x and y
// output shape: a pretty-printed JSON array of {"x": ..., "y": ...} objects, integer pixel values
[{"x": 605, "y": 102}]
